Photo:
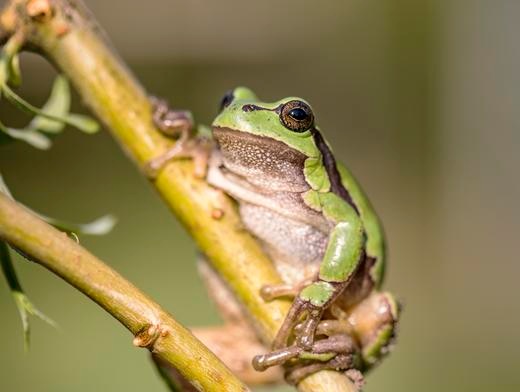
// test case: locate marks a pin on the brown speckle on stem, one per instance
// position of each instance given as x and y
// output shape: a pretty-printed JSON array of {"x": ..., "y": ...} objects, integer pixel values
[
  {"x": 39, "y": 10},
  {"x": 217, "y": 213}
]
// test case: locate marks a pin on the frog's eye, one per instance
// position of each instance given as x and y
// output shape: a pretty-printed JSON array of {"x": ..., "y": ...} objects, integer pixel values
[
  {"x": 226, "y": 100},
  {"x": 297, "y": 116}
]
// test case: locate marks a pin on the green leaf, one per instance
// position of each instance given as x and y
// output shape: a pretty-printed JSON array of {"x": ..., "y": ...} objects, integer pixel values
[
  {"x": 83, "y": 123},
  {"x": 99, "y": 226},
  {"x": 25, "y": 307},
  {"x": 58, "y": 105},
  {"x": 30, "y": 136},
  {"x": 4, "y": 69},
  {"x": 75, "y": 120},
  {"x": 14, "y": 72},
  {"x": 3, "y": 187}
]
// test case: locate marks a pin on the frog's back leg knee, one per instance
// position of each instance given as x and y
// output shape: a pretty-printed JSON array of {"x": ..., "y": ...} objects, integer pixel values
[{"x": 375, "y": 322}]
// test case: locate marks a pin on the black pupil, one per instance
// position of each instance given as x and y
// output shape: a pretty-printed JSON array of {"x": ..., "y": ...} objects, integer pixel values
[{"x": 298, "y": 114}]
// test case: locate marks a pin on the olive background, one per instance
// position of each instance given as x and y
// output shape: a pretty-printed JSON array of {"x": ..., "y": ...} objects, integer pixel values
[{"x": 418, "y": 98}]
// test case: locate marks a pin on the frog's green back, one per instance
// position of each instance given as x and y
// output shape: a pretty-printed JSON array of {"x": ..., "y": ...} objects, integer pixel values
[{"x": 372, "y": 224}]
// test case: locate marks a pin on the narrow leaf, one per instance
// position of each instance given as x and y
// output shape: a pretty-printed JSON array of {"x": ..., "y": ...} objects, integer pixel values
[
  {"x": 3, "y": 187},
  {"x": 58, "y": 104},
  {"x": 4, "y": 69},
  {"x": 14, "y": 72},
  {"x": 83, "y": 123},
  {"x": 30, "y": 136},
  {"x": 99, "y": 226},
  {"x": 24, "y": 305},
  {"x": 74, "y": 120}
]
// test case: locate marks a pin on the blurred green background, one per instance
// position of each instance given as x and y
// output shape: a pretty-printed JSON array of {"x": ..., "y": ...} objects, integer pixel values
[{"x": 416, "y": 97}]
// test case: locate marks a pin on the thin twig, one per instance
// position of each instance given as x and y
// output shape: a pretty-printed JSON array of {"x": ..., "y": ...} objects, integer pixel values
[{"x": 152, "y": 327}]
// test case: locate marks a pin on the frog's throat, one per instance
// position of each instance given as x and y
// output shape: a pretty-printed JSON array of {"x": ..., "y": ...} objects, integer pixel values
[
  {"x": 295, "y": 158},
  {"x": 248, "y": 155}
]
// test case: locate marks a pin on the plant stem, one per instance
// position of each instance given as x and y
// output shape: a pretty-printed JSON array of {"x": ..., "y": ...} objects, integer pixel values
[
  {"x": 153, "y": 327},
  {"x": 70, "y": 39}
]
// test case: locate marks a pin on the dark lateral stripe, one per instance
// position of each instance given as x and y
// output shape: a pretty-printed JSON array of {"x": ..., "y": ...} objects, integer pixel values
[{"x": 332, "y": 170}]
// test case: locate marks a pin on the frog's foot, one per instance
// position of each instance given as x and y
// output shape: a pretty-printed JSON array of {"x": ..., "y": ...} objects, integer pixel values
[
  {"x": 171, "y": 122},
  {"x": 322, "y": 351},
  {"x": 299, "y": 309},
  {"x": 177, "y": 124},
  {"x": 307, "y": 308}
]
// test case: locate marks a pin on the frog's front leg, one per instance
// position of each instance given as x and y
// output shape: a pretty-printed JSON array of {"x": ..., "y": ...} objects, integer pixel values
[
  {"x": 178, "y": 124},
  {"x": 343, "y": 255}
]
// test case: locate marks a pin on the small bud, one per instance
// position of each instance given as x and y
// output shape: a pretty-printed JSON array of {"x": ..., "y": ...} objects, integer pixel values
[{"x": 39, "y": 9}]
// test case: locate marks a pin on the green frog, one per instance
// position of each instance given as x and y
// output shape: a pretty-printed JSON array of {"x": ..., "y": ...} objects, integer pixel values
[{"x": 312, "y": 219}]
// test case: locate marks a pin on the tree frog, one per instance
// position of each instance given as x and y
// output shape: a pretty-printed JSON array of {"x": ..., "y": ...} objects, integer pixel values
[{"x": 312, "y": 219}]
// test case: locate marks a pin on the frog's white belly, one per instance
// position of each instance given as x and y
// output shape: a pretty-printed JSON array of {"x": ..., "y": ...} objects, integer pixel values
[
  {"x": 293, "y": 235},
  {"x": 295, "y": 247}
]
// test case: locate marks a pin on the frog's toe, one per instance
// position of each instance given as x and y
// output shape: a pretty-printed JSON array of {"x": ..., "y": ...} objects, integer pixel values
[
  {"x": 341, "y": 362},
  {"x": 271, "y": 291},
  {"x": 172, "y": 122},
  {"x": 305, "y": 337},
  {"x": 153, "y": 167},
  {"x": 356, "y": 377},
  {"x": 277, "y": 357}
]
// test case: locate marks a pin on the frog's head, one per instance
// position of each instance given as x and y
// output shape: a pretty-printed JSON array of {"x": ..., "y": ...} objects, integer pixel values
[{"x": 265, "y": 141}]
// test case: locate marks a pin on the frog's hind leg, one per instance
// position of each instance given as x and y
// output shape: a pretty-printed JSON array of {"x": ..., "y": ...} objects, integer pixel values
[
  {"x": 235, "y": 342},
  {"x": 236, "y": 345},
  {"x": 374, "y": 321}
]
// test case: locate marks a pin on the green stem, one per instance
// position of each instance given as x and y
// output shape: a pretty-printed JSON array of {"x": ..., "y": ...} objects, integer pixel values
[{"x": 152, "y": 326}]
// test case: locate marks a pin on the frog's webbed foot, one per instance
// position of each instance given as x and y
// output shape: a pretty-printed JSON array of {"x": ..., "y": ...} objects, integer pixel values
[
  {"x": 335, "y": 352},
  {"x": 300, "y": 308},
  {"x": 307, "y": 308},
  {"x": 177, "y": 124}
]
